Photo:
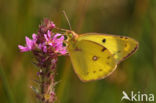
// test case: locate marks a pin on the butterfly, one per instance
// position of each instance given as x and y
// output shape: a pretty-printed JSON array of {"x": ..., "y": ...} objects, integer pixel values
[{"x": 95, "y": 56}]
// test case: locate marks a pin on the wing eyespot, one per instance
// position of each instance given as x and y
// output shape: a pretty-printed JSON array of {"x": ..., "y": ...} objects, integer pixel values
[{"x": 94, "y": 58}]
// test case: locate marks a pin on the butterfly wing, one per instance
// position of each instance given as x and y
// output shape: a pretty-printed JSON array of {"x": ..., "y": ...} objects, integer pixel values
[
  {"x": 120, "y": 47},
  {"x": 90, "y": 60}
]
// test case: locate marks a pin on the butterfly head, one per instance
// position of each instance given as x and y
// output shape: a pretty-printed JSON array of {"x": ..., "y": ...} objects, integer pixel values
[{"x": 71, "y": 35}]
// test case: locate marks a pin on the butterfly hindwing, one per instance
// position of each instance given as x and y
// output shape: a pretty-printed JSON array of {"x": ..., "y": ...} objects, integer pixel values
[
  {"x": 120, "y": 46},
  {"x": 91, "y": 61}
]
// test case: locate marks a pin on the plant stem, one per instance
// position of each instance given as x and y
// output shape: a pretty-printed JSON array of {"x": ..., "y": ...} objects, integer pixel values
[{"x": 42, "y": 86}]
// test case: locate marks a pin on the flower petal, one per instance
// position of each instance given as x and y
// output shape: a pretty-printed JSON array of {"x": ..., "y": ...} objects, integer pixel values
[
  {"x": 53, "y": 25},
  {"x": 63, "y": 51},
  {"x": 49, "y": 34},
  {"x": 45, "y": 49},
  {"x": 29, "y": 42},
  {"x": 61, "y": 38},
  {"x": 34, "y": 36},
  {"x": 23, "y": 49},
  {"x": 51, "y": 44},
  {"x": 45, "y": 36},
  {"x": 56, "y": 35}
]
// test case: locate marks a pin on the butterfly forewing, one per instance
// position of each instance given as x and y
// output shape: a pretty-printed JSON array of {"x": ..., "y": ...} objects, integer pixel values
[
  {"x": 91, "y": 61},
  {"x": 120, "y": 46}
]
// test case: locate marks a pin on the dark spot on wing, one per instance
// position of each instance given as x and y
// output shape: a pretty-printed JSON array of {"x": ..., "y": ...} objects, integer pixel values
[
  {"x": 94, "y": 58},
  {"x": 104, "y": 40},
  {"x": 87, "y": 73},
  {"x": 107, "y": 63},
  {"x": 119, "y": 51},
  {"x": 100, "y": 70},
  {"x": 77, "y": 49},
  {"x": 108, "y": 57},
  {"x": 103, "y": 49},
  {"x": 125, "y": 45},
  {"x": 126, "y": 37},
  {"x": 94, "y": 71},
  {"x": 113, "y": 54},
  {"x": 123, "y": 37}
]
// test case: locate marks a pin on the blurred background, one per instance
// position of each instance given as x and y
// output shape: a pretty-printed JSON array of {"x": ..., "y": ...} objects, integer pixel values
[{"x": 134, "y": 18}]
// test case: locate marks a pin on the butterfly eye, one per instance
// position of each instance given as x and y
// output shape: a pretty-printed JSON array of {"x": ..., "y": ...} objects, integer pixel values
[{"x": 104, "y": 40}]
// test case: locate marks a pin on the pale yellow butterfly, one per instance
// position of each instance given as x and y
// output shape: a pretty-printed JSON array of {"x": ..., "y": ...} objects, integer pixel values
[{"x": 95, "y": 56}]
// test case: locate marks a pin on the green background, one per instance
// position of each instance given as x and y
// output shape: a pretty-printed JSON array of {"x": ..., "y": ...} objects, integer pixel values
[{"x": 134, "y": 18}]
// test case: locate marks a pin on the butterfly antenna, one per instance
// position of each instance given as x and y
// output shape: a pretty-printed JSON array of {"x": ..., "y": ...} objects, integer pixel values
[{"x": 67, "y": 19}]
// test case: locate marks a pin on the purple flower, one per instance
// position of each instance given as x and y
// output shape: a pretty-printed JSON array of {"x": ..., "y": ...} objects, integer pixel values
[
  {"x": 46, "y": 46},
  {"x": 59, "y": 44},
  {"x": 48, "y": 38},
  {"x": 47, "y": 25},
  {"x": 51, "y": 42},
  {"x": 29, "y": 44},
  {"x": 56, "y": 42}
]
